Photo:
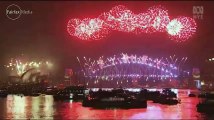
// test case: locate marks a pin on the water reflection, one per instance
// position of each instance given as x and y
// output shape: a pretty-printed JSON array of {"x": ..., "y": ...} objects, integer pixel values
[
  {"x": 44, "y": 107},
  {"x": 19, "y": 107},
  {"x": 16, "y": 107}
]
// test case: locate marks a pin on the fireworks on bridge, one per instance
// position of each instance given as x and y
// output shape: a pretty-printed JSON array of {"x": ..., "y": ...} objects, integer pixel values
[
  {"x": 120, "y": 18},
  {"x": 126, "y": 66}
]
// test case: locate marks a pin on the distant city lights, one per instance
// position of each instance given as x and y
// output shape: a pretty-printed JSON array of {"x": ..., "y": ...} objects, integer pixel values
[{"x": 211, "y": 59}]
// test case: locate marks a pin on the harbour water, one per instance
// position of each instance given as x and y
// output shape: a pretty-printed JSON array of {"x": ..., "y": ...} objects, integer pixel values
[{"x": 44, "y": 107}]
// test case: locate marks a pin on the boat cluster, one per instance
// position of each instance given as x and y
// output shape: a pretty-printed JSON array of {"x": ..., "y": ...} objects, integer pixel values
[
  {"x": 119, "y": 97},
  {"x": 114, "y": 98},
  {"x": 206, "y": 104},
  {"x": 206, "y": 101},
  {"x": 127, "y": 99}
]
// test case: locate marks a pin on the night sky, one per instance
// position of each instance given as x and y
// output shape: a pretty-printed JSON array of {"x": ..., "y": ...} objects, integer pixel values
[{"x": 43, "y": 35}]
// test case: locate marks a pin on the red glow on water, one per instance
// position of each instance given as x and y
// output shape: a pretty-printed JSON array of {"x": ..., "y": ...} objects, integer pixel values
[{"x": 44, "y": 107}]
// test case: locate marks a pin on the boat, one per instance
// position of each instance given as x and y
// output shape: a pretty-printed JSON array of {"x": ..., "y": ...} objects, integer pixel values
[
  {"x": 115, "y": 98},
  {"x": 152, "y": 95},
  {"x": 71, "y": 92},
  {"x": 206, "y": 105},
  {"x": 148, "y": 95},
  {"x": 169, "y": 93},
  {"x": 167, "y": 97}
]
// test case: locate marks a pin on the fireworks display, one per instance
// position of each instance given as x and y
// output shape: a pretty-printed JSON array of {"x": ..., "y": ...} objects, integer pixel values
[
  {"x": 181, "y": 28},
  {"x": 18, "y": 67},
  {"x": 87, "y": 29},
  {"x": 124, "y": 66},
  {"x": 120, "y": 18}
]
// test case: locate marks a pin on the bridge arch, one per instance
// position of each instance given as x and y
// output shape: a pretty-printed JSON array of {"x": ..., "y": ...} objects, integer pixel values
[{"x": 128, "y": 66}]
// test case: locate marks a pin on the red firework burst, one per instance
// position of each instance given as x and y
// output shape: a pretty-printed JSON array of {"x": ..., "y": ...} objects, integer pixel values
[
  {"x": 154, "y": 20},
  {"x": 87, "y": 29},
  {"x": 120, "y": 18},
  {"x": 159, "y": 18},
  {"x": 181, "y": 29}
]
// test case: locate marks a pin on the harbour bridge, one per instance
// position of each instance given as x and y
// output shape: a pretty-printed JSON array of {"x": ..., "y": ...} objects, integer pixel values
[{"x": 124, "y": 68}]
